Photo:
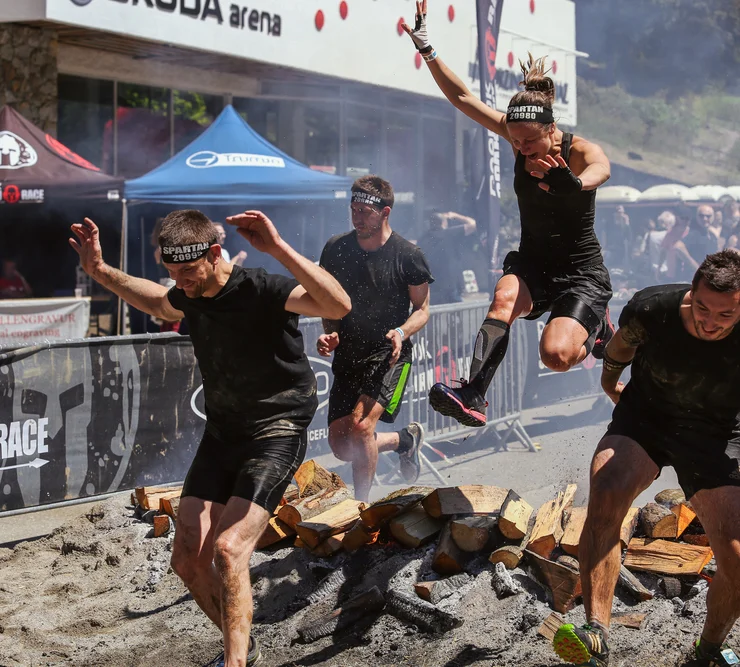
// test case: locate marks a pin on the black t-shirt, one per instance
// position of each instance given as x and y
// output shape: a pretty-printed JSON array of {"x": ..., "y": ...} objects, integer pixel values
[
  {"x": 257, "y": 381},
  {"x": 378, "y": 284},
  {"x": 700, "y": 243},
  {"x": 677, "y": 379}
]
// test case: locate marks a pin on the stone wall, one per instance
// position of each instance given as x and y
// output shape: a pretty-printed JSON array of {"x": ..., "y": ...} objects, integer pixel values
[{"x": 28, "y": 73}]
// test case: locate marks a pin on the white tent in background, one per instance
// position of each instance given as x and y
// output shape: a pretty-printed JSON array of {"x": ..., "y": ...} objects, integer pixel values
[
  {"x": 706, "y": 193},
  {"x": 734, "y": 191},
  {"x": 668, "y": 193},
  {"x": 617, "y": 194}
]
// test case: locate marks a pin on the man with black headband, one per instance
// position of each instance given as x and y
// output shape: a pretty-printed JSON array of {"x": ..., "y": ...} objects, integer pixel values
[
  {"x": 385, "y": 275},
  {"x": 680, "y": 408},
  {"x": 558, "y": 267},
  {"x": 260, "y": 395}
]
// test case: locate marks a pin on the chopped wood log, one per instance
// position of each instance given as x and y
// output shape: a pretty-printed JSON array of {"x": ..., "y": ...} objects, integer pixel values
[
  {"x": 448, "y": 557},
  {"x": 510, "y": 556},
  {"x": 633, "y": 585},
  {"x": 415, "y": 528},
  {"x": 462, "y": 500},
  {"x": 503, "y": 584},
  {"x": 670, "y": 586},
  {"x": 573, "y": 529},
  {"x": 162, "y": 525},
  {"x": 348, "y": 614},
  {"x": 291, "y": 493},
  {"x": 628, "y": 526},
  {"x": 629, "y": 620},
  {"x": 670, "y": 497},
  {"x": 662, "y": 557},
  {"x": 421, "y": 613},
  {"x": 133, "y": 499},
  {"x": 298, "y": 544},
  {"x": 564, "y": 584},
  {"x": 170, "y": 506},
  {"x": 436, "y": 591},
  {"x": 570, "y": 562},
  {"x": 513, "y": 521},
  {"x": 697, "y": 540},
  {"x": 330, "y": 584},
  {"x": 550, "y": 626},
  {"x": 392, "y": 505},
  {"x": 358, "y": 536},
  {"x": 312, "y": 478},
  {"x": 684, "y": 515},
  {"x": 148, "y": 497},
  {"x": 472, "y": 533},
  {"x": 275, "y": 531},
  {"x": 548, "y": 527},
  {"x": 424, "y": 589},
  {"x": 303, "y": 509},
  {"x": 330, "y": 546},
  {"x": 338, "y": 519},
  {"x": 658, "y": 521}
]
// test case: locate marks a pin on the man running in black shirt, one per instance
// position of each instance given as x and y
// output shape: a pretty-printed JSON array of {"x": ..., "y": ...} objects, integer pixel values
[
  {"x": 260, "y": 396},
  {"x": 680, "y": 408},
  {"x": 384, "y": 275}
]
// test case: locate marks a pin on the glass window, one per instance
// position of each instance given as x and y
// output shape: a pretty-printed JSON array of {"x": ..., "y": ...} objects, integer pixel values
[
  {"x": 194, "y": 112},
  {"x": 85, "y": 111},
  {"x": 402, "y": 170},
  {"x": 439, "y": 162},
  {"x": 262, "y": 116},
  {"x": 363, "y": 140},
  {"x": 321, "y": 128}
]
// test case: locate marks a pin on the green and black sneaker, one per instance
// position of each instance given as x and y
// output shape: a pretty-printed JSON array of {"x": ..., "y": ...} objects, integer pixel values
[
  {"x": 722, "y": 657},
  {"x": 584, "y": 646}
]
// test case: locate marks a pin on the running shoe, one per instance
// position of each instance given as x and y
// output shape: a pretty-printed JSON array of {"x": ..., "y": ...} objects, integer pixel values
[
  {"x": 584, "y": 646},
  {"x": 409, "y": 460},
  {"x": 464, "y": 404},
  {"x": 723, "y": 657},
  {"x": 606, "y": 331},
  {"x": 254, "y": 656}
]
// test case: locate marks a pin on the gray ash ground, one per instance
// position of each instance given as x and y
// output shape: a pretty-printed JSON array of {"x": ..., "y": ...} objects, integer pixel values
[{"x": 99, "y": 592}]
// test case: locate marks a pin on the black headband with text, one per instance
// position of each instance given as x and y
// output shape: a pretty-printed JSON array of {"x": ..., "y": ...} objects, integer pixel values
[
  {"x": 360, "y": 197},
  {"x": 179, "y": 254},
  {"x": 529, "y": 113}
]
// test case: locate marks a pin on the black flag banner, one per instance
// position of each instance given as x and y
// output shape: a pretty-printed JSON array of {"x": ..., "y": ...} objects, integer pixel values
[{"x": 489, "y": 21}]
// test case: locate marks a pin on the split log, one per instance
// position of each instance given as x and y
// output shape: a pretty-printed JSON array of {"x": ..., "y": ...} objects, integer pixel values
[
  {"x": 312, "y": 478},
  {"x": 448, "y": 557},
  {"x": 392, "y": 505},
  {"x": 684, "y": 515},
  {"x": 436, "y": 591},
  {"x": 291, "y": 494},
  {"x": 550, "y": 626},
  {"x": 670, "y": 497},
  {"x": 662, "y": 557},
  {"x": 148, "y": 497},
  {"x": 303, "y": 509},
  {"x": 658, "y": 521},
  {"x": 170, "y": 506},
  {"x": 510, "y": 556},
  {"x": 629, "y": 620},
  {"x": 348, "y": 614},
  {"x": 548, "y": 527},
  {"x": 275, "y": 531},
  {"x": 564, "y": 584},
  {"x": 421, "y": 613},
  {"x": 162, "y": 525},
  {"x": 415, "y": 528},
  {"x": 335, "y": 520},
  {"x": 573, "y": 529},
  {"x": 670, "y": 586},
  {"x": 330, "y": 584},
  {"x": 513, "y": 521},
  {"x": 570, "y": 562},
  {"x": 298, "y": 544},
  {"x": 503, "y": 584},
  {"x": 633, "y": 585},
  {"x": 472, "y": 533},
  {"x": 697, "y": 540},
  {"x": 628, "y": 526},
  {"x": 358, "y": 536},
  {"x": 330, "y": 546},
  {"x": 462, "y": 500}
]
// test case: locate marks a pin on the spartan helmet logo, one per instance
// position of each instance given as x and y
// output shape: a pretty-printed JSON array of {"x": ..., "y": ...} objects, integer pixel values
[{"x": 15, "y": 153}]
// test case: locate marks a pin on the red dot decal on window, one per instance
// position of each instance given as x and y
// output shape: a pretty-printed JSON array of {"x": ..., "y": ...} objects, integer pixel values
[
  {"x": 417, "y": 60},
  {"x": 343, "y": 10},
  {"x": 319, "y": 20},
  {"x": 399, "y": 26},
  {"x": 510, "y": 59},
  {"x": 531, "y": 6},
  {"x": 451, "y": 13},
  {"x": 554, "y": 66}
]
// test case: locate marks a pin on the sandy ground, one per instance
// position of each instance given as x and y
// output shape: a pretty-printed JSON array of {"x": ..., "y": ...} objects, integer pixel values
[{"x": 98, "y": 589}]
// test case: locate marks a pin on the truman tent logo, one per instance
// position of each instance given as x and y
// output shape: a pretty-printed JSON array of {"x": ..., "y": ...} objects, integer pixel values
[
  {"x": 208, "y": 159},
  {"x": 15, "y": 152}
]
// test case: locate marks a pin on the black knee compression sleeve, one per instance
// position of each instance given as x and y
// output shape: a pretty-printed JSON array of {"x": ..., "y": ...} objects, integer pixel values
[{"x": 490, "y": 348}]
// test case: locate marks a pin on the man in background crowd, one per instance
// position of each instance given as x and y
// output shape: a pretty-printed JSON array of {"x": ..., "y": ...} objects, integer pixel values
[
  {"x": 701, "y": 240},
  {"x": 12, "y": 284},
  {"x": 239, "y": 257}
]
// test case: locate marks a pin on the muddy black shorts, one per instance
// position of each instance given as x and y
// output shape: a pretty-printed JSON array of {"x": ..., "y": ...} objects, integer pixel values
[
  {"x": 581, "y": 293},
  {"x": 701, "y": 461},
  {"x": 375, "y": 378},
  {"x": 256, "y": 470}
]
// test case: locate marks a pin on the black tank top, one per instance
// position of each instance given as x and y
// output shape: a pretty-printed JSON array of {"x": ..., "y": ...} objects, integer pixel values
[{"x": 556, "y": 231}]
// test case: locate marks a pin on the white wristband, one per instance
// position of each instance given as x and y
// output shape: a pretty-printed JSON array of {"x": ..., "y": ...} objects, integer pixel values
[{"x": 400, "y": 331}]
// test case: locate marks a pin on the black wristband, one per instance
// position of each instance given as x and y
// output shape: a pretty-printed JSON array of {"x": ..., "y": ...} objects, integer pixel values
[
  {"x": 562, "y": 181},
  {"x": 425, "y": 50},
  {"x": 610, "y": 364}
]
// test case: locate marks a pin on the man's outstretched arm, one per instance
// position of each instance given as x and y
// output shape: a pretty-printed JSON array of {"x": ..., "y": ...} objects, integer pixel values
[{"x": 145, "y": 295}]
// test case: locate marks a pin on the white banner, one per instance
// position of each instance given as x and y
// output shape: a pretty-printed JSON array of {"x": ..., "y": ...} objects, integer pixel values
[{"x": 25, "y": 322}]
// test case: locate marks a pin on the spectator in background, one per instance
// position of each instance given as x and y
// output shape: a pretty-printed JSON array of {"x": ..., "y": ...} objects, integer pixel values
[
  {"x": 239, "y": 257},
  {"x": 673, "y": 251},
  {"x": 12, "y": 284},
  {"x": 443, "y": 247},
  {"x": 619, "y": 239},
  {"x": 701, "y": 239},
  {"x": 731, "y": 224},
  {"x": 652, "y": 244}
]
